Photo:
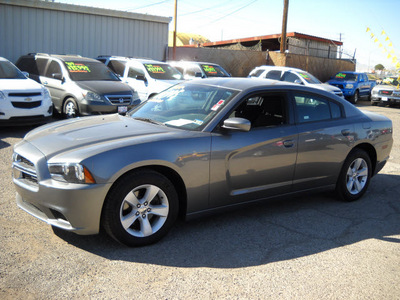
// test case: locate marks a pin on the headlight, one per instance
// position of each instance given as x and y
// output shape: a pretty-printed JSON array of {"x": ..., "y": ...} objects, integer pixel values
[
  {"x": 374, "y": 92},
  {"x": 349, "y": 86},
  {"x": 90, "y": 96},
  {"x": 70, "y": 172},
  {"x": 46, "y": 94},
  {"x": 2, "y": 97}
]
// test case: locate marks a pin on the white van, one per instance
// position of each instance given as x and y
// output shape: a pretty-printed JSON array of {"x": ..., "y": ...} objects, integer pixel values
[
  {"x": 23, "y": 101},
  {"x": 148, "y": 77}
]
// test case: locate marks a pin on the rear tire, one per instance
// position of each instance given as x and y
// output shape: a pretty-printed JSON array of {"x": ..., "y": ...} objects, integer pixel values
[
  {"x": 141, "y": 208},
  {"x": 355, "y": 176}
]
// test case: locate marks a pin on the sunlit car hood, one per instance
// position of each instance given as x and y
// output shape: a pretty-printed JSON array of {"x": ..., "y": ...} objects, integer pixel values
[
  {"x": 105, "y": 87},
  {"x": 326, "y": 87},
  {"x": 385, "y": 87},
  {"x": 115, "y": 129},
  {"x": 164, "y": 84},
  {"x": 18, "y": 84}
]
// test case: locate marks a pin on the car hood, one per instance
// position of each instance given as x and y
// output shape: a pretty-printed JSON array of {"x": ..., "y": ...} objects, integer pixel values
[
  {"x": 385, "y": 87},
  {"x": 161, "y": 85},
  {"x": 19, "y": 85},
  {"x": 97, "y": 131},
  {"x": 104, "y": 87},
  {"x": 333, "y": 81},
  {"x": 327, "y": 87}
]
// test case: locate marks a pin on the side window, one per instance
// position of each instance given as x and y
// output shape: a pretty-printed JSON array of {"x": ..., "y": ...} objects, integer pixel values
[
  {"x": 53, "y": 68},
  {"x": 28, "y": 64},
  {"x": 117, "y": 67},
  {"x": 291, "y": 77},
  {"x": 41, "y": 65},
  {"x": 135, "y": 72},
  {"x": 263, "y": 110},
  {"x": 311, "y": 108},
  {"x": 275, "y": 75},
  {"x": 192, "y": 70}
]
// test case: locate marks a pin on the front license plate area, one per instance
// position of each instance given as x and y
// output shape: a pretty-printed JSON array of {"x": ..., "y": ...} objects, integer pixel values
[{"x": 122, "y": 109}]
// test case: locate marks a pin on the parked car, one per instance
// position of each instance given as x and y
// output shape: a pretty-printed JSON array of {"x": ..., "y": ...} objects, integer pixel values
[
  {"x": 148, "y": 77},
  {"x": 201, "y": 146},
  {"x": 22, "y": 100},
  {"x": 386, "y": 93},
  {"x": 79, "y": 86},
  {"x": 192, "y": 69},
  {"x": 354, "y": 85},
  {"x": 292, "y": 75}
]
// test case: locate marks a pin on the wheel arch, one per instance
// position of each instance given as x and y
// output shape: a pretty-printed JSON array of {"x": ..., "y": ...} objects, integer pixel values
[
  {"x": 169, "y": 173},
  {"x": 370, "y": 150}
]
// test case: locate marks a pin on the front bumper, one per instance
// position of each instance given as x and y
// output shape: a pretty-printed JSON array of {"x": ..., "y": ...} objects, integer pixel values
[
  {"x": 385, "y": 100},
  {"x": 72, "y": 207}
]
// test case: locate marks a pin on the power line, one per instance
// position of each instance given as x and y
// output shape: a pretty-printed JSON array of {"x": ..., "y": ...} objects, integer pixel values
[
  {"x": 235, "y": 11},
  {"x": 140, "y": 7}
]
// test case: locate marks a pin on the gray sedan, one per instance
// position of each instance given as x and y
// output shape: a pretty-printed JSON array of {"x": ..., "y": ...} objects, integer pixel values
[{"x": 199, "y": 147}]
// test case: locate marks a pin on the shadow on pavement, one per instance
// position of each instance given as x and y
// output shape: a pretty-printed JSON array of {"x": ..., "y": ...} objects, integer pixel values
[{"x": 266, "y": 232}]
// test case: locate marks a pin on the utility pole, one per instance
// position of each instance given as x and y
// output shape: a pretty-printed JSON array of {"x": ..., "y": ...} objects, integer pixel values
[
  {"x": 284, "y": 25},
  {"x": 175, "y": 22}
]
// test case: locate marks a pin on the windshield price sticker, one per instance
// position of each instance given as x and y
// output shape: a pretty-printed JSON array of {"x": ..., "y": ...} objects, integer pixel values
[
  {"x": 305, "y": 76},
  {"x": 218, "y": 105},
  {"x": 340, "y": 75},
  {"x": 209, "y": 69},
  {"x": 155, "y": 69},
  {"x": 75, "y": 67}
]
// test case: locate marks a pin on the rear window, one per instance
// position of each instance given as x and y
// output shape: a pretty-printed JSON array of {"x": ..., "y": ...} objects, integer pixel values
[{"x": 88, "y": 71}]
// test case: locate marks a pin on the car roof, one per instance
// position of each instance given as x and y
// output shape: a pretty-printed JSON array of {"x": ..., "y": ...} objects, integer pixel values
[
  {"x": 128, "y": 59},
  {"x": 63, "y": 57},
  {"x": 3, "y": 59},
  {"x": 278, "y": 68},
  {"x": 192, "y": 62}
]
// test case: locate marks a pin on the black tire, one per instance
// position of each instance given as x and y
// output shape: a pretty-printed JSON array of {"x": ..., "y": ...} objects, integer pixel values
[
  {"x": 373, "y": 103},
  {"x": 135, "y": 199},
  {"x": 70, "y": 108},
  {"x": 354, "y": 99},
  {"x": 355, "y": 176}
]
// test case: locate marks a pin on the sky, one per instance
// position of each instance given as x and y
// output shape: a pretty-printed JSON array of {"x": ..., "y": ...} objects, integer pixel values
[{"x": 369, "y": 29}]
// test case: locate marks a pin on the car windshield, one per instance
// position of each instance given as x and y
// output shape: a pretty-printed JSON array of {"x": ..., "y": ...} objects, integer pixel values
[
  {"x": 309, "y": 78},
  {"x": 9, "y": 71},
  {"x": 187, "y": 106},
  {"x": 346, "y": 77},
  {"x": 390, "y": 81},
  {"x": 214, "y": 71},
  {"x": 87, "y": 71},
  {"x": 163, "y": 72}
]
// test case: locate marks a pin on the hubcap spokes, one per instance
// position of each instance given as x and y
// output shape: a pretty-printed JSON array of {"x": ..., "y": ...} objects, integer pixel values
[
  {"x": 144, "y": 210},
  {"x": 357, "y": 176}
]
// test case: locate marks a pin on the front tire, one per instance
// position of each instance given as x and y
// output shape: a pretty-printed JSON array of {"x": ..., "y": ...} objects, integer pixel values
[
  {"x": 355, "y": 176},
  {"x": 70, "y": 108},
  {"x": 140, "y": 208},
  {"x": 354, "y": 99}
]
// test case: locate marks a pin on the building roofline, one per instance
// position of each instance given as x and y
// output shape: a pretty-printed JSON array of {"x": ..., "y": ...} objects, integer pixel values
[
  {"x": 273, "y": 36},
  {"x": 85, "y": 10}
]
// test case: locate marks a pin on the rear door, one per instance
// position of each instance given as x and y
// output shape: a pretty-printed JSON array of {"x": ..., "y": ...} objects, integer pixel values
[{"x": 325, "y": 138}]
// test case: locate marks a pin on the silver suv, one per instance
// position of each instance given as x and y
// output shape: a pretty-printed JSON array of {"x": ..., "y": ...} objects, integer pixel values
[
  {"x": 79, "y": 85},
  {"x": 193, "y": 69},
  {"x": 148, "y": 77},
  {"x": 293, "y": 75}
]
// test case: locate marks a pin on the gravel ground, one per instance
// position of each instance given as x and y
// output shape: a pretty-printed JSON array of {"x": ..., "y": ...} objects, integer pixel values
[{"x": 301, "y": 248}]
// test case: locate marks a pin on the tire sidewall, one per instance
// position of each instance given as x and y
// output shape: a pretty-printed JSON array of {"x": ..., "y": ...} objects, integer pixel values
[
  {"x": 341, "y": 186},
  {"x": 111, "y": 209}
]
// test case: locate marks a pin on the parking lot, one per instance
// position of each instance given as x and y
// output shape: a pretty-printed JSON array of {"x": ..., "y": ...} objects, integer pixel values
[{"x": 313, "y": 247}]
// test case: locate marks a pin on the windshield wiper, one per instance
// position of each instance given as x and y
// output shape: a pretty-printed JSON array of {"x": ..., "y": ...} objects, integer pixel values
[{"x": 149, "y": 121}]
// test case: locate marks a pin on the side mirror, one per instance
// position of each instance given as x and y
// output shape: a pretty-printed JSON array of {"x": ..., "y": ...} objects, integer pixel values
[
  {"x": 141, "y": 77},
  {"x": 26, "y": 74},
  {"x": 298, "y": 81},
  {"x": 57, "y": 76},
  {"x": 198, "y": 74},
  {"x": 238, "y": 124}
]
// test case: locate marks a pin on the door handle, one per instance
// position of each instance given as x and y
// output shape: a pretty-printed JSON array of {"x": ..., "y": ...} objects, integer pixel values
[
  {"x": 345, "y": 132},
  {"x": 288, "y": 143}
]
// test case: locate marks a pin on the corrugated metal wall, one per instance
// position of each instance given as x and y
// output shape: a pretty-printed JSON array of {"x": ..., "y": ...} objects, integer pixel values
[
  {"x": 312, "y": 48},
  {"x": 37, "y": 26}
]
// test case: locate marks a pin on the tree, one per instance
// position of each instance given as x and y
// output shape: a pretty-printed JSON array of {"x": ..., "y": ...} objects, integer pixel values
[{"x": 379, "y": 67}]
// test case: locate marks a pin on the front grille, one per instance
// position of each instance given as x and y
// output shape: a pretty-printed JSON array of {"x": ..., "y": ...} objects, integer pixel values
[
  {"x": 385, "y": 93},
  {"x": 340, "y": 86},
  {"x": 119, "y": 99},
  {"x": 24, "y": 170},
  {"x": 26, "y": 105},
  {"x": 32, "y": 94}
]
